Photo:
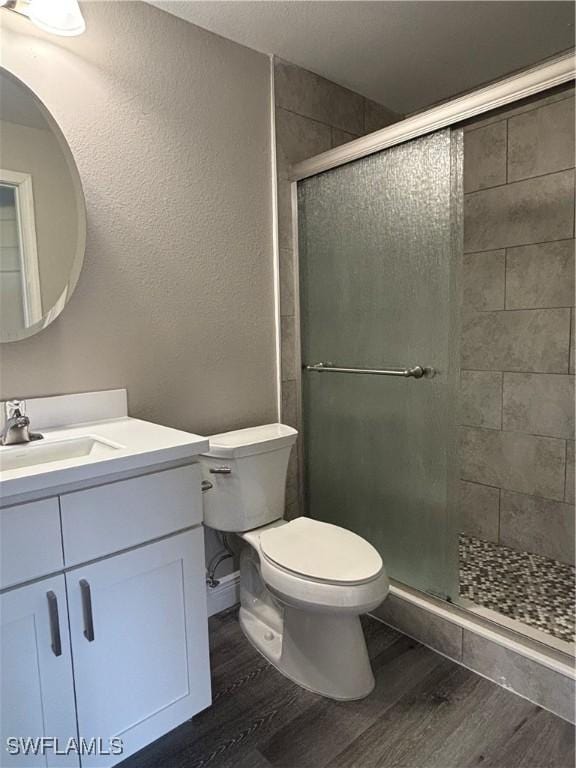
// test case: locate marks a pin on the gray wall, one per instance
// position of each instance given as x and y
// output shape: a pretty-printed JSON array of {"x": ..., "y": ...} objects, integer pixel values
[
  {"x": 313, "y": 115},
  {"x": 517, "y": 409},
  {"x": 170, "y": 128}
]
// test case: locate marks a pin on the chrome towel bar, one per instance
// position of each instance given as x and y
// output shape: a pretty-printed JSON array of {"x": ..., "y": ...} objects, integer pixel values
[{"x": 417, "y": 372}]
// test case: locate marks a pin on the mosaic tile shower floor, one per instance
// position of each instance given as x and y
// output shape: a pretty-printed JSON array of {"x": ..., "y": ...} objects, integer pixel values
[{"x": 530, "y": 588}]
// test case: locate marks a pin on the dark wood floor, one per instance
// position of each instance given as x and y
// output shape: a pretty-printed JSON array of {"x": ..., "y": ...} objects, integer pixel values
[{"x": 426, "y": 712}]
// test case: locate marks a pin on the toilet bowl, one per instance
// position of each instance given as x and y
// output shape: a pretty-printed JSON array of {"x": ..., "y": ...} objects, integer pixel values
[{"x": 303, "y": 583}]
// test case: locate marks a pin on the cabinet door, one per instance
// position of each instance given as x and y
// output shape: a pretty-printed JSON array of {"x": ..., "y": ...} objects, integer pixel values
[
  {"x": 36, "y": 690},
  {"x": 140, "y": 642}
]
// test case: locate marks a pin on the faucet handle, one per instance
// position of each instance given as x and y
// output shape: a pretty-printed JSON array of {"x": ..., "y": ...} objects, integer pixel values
[{"x": 15, "y": 408}]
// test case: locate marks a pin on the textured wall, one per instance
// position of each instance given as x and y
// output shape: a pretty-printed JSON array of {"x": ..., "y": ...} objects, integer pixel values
[
  {"x": 517, "y": 409},
  {"x": 312, "y": 116},
  {"x": 170, "y": 128}
]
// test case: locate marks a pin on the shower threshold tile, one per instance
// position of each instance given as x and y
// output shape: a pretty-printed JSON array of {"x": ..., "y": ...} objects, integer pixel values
[{"x": 533, "y": 589}]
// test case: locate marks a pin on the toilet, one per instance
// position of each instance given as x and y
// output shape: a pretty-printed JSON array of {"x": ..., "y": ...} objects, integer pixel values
[{"x": 303, "y": 583}]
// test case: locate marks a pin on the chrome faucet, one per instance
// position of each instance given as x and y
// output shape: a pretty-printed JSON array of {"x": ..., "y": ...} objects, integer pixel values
[{"x": 16, "y": 428}]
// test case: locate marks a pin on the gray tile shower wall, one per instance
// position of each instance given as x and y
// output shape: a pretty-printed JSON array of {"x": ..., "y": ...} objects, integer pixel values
[
  {"x": 517, "y": 358},
  {"x": 313, "y": 115}
]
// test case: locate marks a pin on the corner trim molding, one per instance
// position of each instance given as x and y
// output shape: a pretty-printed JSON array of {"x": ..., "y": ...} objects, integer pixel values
[
  {"x": 519, "y": 86},
  {"x": 275, "y": 241}
]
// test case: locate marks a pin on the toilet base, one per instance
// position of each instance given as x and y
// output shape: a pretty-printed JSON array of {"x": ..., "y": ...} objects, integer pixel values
[{"x": 323, "y": 652}]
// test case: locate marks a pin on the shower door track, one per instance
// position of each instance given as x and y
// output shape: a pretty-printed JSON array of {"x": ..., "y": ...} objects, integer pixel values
[{"x": 542, "y": 77}]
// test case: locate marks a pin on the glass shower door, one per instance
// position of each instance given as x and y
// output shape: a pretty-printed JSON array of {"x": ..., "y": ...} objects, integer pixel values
[{"x": 376, "y": 245}]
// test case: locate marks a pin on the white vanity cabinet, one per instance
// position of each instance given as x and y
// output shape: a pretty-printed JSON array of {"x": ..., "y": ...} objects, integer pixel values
[{"x": 114, "y": 645}]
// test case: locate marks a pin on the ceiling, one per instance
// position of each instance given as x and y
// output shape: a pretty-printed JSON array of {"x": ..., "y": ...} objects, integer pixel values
[{"x": 406, "y": 55}]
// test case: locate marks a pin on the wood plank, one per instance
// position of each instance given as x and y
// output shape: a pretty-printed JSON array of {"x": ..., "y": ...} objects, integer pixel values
[
  {"x": 312, "y": 739},
  {"x": 249, "y": 705},
  {"x": 425, "y": 712},
  {"x": 541, "y": 740},
  {"x": 449, "y": 721}
]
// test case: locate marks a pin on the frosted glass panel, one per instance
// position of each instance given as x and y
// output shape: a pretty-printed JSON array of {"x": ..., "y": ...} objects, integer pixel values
[{"x": 376, "y": 239}]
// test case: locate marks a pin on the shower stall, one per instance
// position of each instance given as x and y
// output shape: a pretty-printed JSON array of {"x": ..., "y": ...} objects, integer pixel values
[{"x": 436, "y": 284}]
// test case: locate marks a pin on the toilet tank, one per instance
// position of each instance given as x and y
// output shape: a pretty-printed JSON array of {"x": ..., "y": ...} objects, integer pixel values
[{"x": 247, "y": 469}]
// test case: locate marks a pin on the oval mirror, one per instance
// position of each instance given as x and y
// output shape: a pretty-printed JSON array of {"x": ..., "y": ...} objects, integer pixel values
[{"x": 42, "y": 214}]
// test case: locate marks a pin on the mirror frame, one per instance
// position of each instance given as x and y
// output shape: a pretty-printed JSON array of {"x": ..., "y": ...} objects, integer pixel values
[{"x": 55, "y": 311}]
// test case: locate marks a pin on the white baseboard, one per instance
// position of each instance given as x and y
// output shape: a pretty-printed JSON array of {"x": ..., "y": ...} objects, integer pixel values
[{"x": 225, "y": 595}]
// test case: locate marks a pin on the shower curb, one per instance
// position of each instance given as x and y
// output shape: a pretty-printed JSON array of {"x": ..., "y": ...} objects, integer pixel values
[{"x": 543, "y": 675}]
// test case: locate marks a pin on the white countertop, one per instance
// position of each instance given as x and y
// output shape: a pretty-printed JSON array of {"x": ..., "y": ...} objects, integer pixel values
[{"x": 139, "y": 445}]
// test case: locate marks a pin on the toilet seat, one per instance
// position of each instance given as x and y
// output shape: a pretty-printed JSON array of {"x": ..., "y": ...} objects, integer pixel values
[
  {"x": 318, "y": 594},
  {"x": 321, "y": 552}
]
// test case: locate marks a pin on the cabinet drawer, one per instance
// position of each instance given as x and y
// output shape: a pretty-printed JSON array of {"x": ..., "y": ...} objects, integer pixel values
[
  {"x": 103, "y": 520},
  {"x": 31, "y": 544}
]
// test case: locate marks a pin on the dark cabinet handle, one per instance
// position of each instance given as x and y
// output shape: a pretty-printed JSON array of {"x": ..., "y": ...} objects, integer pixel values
[
  {"x": 56, "y": 644},
  {"x": 87, "y": 610}
]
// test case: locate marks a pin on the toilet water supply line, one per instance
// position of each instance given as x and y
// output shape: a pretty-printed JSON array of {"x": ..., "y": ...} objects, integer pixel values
[
  {"x": 218, "y": 558},
  {"x": 225, "y": 553}
]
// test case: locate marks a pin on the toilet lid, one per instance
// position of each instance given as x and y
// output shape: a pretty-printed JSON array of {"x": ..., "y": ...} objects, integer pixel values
[{"x": 321, "y": 551}]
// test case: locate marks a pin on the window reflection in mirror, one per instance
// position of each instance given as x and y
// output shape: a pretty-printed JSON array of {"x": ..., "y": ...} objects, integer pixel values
[
  {"x": 42, "y": 220},
  {"x": 21, "y": 299}
]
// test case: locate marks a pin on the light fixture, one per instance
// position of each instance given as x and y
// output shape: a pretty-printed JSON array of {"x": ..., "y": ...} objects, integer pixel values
[{"x": 61, "y": 17}]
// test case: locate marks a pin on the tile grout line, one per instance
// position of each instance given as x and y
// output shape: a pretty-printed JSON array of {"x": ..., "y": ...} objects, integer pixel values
[
  {"x": 505, "y": 278},
  {"x": 515, "y": 309},
  {"x": 523, "y": 373},
  {"x": 569, "y": 342},
  {"x": 540, "y": 104},
  {"x": 494, "y": 430},
  {"x": 565, "y": 468},
  {"x": 521, "y": 245},
  {"x": 519, "y": 181},
  {"x": 502, "y": 401},
  {"x": 510, "y": 490}
]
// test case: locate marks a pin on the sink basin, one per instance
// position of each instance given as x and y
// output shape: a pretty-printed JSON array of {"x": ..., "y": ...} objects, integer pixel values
[
  {"x": 88, "y": 436},
  {"x": 32, "y": 454}
]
